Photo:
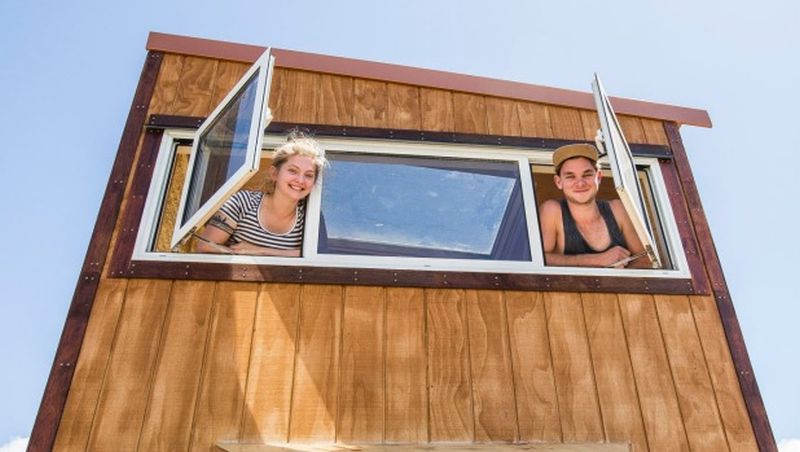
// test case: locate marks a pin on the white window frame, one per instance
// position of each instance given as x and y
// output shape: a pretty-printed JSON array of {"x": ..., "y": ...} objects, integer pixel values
[
  {"x": 612, "y": 141},
  {"x": 525, "y": 158},
  {"x": 260, "y": 118}
]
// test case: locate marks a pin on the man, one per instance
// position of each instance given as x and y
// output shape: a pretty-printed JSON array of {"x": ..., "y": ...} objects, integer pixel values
[{"x": 581, "y": 230}]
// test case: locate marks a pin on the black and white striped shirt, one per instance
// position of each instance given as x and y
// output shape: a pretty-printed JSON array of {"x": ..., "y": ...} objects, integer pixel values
[{"x": 243, "y": 209}]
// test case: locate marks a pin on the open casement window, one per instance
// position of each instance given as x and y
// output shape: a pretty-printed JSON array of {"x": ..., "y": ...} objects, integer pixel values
[
  {"x": 611, "y": 142},
  {"x": 226, "y": 149},
  {"x": 649, "y": 177}
]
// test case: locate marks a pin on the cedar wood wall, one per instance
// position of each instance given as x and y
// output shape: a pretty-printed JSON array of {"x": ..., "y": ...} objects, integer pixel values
[{"x": 180, "y": 365}]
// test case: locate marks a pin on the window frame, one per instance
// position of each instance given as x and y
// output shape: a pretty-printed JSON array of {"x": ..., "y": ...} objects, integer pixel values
[
  {"x": 260, "y": 117},
  {"x": 612, "y": 140},
  {"x": 311, "y": 259}
]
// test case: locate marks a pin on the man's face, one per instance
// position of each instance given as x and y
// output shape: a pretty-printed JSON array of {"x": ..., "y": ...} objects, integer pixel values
[{"x": 579, "y": 180}]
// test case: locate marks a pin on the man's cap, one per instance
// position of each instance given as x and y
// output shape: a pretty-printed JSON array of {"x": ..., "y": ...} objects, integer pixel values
[{"x": 569, "y": 151}]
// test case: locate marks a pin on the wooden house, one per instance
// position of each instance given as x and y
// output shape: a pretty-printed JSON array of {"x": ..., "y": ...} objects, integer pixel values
[{"x": 170, "y": 350}]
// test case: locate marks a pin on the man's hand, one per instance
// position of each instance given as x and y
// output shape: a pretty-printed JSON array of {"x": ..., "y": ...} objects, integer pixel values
[{"x": 611, "y": 256}]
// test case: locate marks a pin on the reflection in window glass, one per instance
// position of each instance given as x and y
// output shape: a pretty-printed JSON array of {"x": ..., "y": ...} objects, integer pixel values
[
  {"x": 222, "y": 148},
  {"x": 423, "y": 207}
]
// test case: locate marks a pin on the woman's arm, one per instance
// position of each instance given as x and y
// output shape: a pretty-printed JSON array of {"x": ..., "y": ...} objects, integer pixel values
[
  {"x": 216, "y": 233},
  {"x": 249, "y": 248}
]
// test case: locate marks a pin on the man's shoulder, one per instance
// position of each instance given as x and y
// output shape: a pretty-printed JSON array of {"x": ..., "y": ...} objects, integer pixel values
[
  {"x": 619, "y": 212},
  {"x": 616, "y": 206},
  {"x": 551, "y": 204},
  {"x": 550, "y": 210}
]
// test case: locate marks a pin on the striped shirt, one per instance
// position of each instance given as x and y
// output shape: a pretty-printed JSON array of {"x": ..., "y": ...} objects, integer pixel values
[{"x": 242, "y": 208}]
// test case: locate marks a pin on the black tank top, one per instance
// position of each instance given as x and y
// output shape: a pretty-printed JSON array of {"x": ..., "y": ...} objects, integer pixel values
[{"x": 574, "y": 243}]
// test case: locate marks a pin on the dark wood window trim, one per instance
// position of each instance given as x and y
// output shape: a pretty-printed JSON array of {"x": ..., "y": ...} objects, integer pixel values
[
  {"x": 54, "y": 399},
  {"x": 124, "y": 267},
  {"x": 322, "y": 130},
  {"x": 733, "y": 332}
]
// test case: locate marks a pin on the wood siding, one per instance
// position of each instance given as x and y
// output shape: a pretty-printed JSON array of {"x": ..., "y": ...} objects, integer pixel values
[
  {"x": 191, "y": 86},
  {"x": 181, "y": 365},
  {"x": 173, "y": 365}
]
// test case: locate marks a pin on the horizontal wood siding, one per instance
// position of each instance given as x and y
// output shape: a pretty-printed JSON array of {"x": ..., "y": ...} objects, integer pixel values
[{"x": 193, "y": 86}]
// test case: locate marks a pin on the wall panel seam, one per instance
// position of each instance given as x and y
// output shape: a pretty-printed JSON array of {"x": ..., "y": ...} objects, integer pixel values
[
  {"x": 507, "y": 335},
  {"x": 708, "y": 375},
  {"x": 592, "y": 369},
  {"x": 212, "y": 319},
  {"x": 249, "y": 363},
  {"x": 671, "y": 369},
  {"x": 108, "y": 364},
  {"x": 630, "y": 363},
  {"x": 298, "y": 319},
  {"x": 156, "y": 362},
  {"x": 543, "y": 300}
]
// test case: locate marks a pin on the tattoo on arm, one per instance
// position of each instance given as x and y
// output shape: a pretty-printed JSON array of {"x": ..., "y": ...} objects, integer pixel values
[{"x": 220, "y": 222}]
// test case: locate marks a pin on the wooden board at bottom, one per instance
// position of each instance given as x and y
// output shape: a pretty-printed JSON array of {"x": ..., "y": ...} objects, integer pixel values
[
  {"x": 723, "y": 375},
  {"x": 451, "y": 415},
  {"x": 76, "y": 422},
  {"x": 534, "y": 382},
  {"x": 494, "y": 405},
  {"x": 168, "y": 422},
  {"x": 316, "y": 378},
  {"x": 616, "y": 388},
  {"x": 578, "y": 405},
  {"x": 269, "y": 380},
  {"x": 361, "y": 383},
  {"x": 657, "y": 398},
  {"x": 220, "y": 398},
  {"x": 425, "y": 447},
  {"x": 406, "y": 416},
  {"x": 692, "y": 382}
]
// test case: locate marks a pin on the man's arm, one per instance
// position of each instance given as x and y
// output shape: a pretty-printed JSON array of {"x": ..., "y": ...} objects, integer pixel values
[
  {"x": 632, "y": 241},
  {"x": 604, "y": 259}
]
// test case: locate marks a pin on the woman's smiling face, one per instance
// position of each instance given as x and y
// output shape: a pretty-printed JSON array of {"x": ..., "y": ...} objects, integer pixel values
[{"x": 295, "y": 178}]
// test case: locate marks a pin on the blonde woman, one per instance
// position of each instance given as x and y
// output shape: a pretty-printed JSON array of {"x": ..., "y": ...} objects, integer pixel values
[{"x": 268, "y": 223}]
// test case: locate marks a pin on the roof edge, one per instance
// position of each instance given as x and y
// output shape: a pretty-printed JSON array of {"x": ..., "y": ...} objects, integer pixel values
[{"x": 292, "y": 59}]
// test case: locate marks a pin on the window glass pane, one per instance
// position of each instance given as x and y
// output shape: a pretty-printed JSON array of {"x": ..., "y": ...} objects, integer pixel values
[
  {"x": 423, "y": 207},
  {"x": 222, "y": 148}
]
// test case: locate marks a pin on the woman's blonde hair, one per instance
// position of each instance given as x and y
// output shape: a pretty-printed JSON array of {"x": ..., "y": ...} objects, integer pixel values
[{"x": 297, "y": 143}]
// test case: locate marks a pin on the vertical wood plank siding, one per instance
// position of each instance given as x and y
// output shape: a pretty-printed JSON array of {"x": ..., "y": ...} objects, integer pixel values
[
  {"x": 180, "y": 365},
  {"x": 275, "y": 362}
]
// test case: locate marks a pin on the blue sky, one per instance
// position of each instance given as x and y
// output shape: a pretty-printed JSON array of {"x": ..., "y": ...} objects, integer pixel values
[{"x": 69, "y": 71}]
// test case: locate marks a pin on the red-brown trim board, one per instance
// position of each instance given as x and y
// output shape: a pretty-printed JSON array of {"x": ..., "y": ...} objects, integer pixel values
[
  {"x": 733, "y": 332},
  {"x": 422, "y": 77},
  {"x": 54, "y": 398}
]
